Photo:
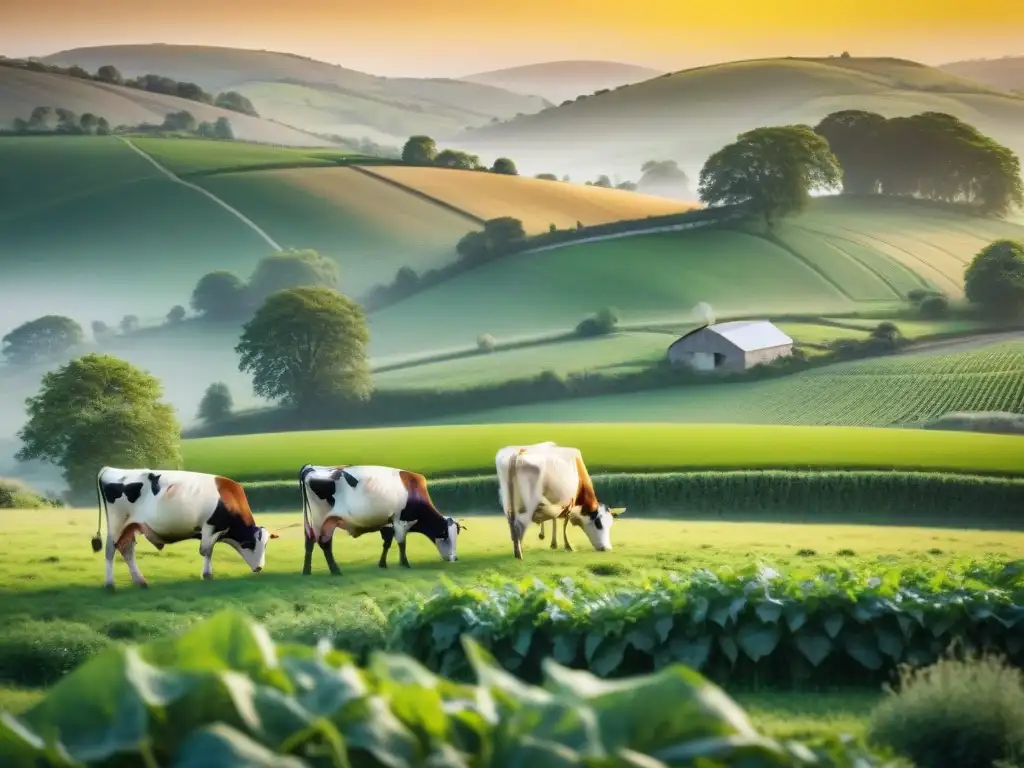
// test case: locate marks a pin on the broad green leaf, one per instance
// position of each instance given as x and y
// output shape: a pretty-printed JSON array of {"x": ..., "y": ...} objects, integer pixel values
[
  {"x": 565, "y": 648},
  {"x": 412, "y": 694},
  {"x": 731, "y": 749},
  {"x": 663, "y": 627},
  {"x": 727, "y": 610},
  {"x": 218, "y": 746},
  {"x": 833, "y": 624},
  {"x": 769, "y": 611},
  {"x": 608, "y": 656},
  {"x": 320, "y": 688},
  {"x": 642, "y": 638},
  {"x": 523, "y": 639},
  {"x": 699, "y": 610},
  {"x": 368, "y": 725},
  {"x": 592, "y": 643},
  {"x": 532, "y": 752},
  {"x": 796, "y": 616},
  {"x": 691, "y": 652},
  {"x": 906, "y": 625},
  {"x": 889, "y": 642},
  {"x": 758, "y": 640},
  {"x": 445, "y": 632},
  {"x": 862, "y": 646},
  {"x": 505, "y": 687},
  {"x": 815, "y": 646},
  {"x": 729, "y": 648},
  {"x": 20, "y": 746}
]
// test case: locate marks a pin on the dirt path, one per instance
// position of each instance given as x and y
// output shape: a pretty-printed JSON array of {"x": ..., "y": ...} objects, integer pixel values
[
  {"x": 233, "y": 211},
  {"x": 962, "y": 343}
]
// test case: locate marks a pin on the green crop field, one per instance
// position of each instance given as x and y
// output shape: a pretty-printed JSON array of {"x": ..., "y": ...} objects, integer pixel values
[
  {"x": 190, "y": 156},
  {"x": 51, "y": 593},
  {"x": 881, "y": 392},
  {"x": 470, "y": 449}
]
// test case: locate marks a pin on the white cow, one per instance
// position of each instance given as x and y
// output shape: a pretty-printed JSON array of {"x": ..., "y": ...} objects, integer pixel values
[
  {"x": 168, "y": 506},
  {"x": 545, "y": 482},
  {"x": 364, "y": 499}
]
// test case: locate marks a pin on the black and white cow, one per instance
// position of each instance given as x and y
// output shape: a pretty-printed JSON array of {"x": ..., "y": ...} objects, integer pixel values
[
  {"x": 168, "y": 506},
  {"x": 364, "y": 499}
]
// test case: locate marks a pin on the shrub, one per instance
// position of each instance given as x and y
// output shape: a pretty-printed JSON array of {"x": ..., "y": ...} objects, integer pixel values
[
  {"x": 236, "y": 698},
  {"x": 753, "y": 626},
  {"x": 935, "y": 306},
  {"x": 962, "y": 712},
  {"x": 604, "y": 322},
  {"x": 485, "y": 342},
  {"x": 39, "y": 653},
  {"x": 917, "y": 295},
  {"x": 14, "y": 494}
]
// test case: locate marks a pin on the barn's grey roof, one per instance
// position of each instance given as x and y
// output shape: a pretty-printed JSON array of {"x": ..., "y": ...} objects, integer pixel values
[{"x": 750, "y": 335}]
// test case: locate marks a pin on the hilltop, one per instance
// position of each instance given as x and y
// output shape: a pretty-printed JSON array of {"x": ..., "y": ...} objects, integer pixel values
[
  {"x": 21, "y": 91},
  {"x": 315, "y": 95},
  {"x": 690, "y": 114},
  {"x": 1006, "y": 73},
  {"x": 557, "y": 81}
]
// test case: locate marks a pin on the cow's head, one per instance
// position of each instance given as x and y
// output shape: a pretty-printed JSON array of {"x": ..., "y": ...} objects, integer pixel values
[
  {"x": 446, "y": 542},
  {"x": 597, "y": 525},
  {"x": 252, "y": 546}
]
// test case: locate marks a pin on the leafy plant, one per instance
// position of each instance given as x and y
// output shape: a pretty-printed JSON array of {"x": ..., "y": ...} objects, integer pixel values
[
  {"x": 754, "y": 626},
  {"x": 224, "y": 694}
]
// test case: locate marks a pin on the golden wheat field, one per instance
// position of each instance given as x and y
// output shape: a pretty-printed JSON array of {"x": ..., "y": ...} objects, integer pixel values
[{"x": 535, "y": 202}]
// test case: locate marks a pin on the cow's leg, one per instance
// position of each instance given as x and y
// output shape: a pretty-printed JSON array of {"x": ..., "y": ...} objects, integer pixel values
[
  {"x": 518, "y": 531},
  {"x": 207, "y": 538},
  {"x": 541, "y": 535},
  {"x": 387, "y": 535},
  {"x": 565, "y": 535},
  {"x": 400, "y": 535},
  {"x": 109, "y": 554},
  {"x": 307, "y": 558},
  {"x": 327, "y": 547},
  {"x": 554, "y": 533},
  {"x": 126, "y": 546},
  {"x": 208, "y": 565}
]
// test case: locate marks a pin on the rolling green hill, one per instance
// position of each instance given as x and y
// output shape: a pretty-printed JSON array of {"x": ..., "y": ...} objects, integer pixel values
[
  {"x": 315, "y": 95},
  {"x": 1006, "y": 73},
  {"x": 557, "y": 81},
  {"x": 21, "y": 91},
  {"x": 881, "y": 392},
  {"x": 688, "y": 115}
]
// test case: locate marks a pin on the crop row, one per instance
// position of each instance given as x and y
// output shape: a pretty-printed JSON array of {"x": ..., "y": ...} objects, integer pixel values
[
  {"x": 754, "y": 627},
  {"x": 898, "y": 496},
  {"x": 224, "y": 694}
]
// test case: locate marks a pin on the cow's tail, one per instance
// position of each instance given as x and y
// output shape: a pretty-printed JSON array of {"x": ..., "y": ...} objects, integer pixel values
[
  {"x": 101, "y": 508},
  {"x": 303, "y": 473}
]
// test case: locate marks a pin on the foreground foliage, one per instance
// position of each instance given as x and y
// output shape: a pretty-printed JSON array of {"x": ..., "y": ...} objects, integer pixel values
[
  {"x": 829, "y": 626},
  {"x": 224, "y": 694}
]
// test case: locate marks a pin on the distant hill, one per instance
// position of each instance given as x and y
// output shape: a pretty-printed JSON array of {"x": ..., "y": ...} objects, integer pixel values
[
  {"x": 1006, "y": 73},
  {"x": 315, "y": 95},
  {"x": 687, "y": 115},
  {"x": 21, "y": 91},
  {"x": 557, "y": 81}
]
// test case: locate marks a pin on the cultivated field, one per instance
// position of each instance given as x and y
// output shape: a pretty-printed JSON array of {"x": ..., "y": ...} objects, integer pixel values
[
  {"x": 22, "y": 91},
  {"x": 637, "y": 447},
  {"x": 186, "y": 157},
  {"x": 535, "y": 202},
  {"x": 689, "y": 114},
  {"x": 80, "y": 618},
  {"x": 882, "y": 392}
]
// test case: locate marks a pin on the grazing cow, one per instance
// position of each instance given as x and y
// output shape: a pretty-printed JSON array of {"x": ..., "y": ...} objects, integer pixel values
[
  {"x": 170, "y": 506},
  {"x": 547, "y": 482},
  {"x": 364, "y": 499},
  {"x": 546, "y": 444}
]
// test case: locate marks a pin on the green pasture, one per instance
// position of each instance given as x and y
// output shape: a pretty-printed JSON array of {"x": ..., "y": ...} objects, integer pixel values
[
  {"x": 200, "y": 156},
  {"x": 627, "y": 447},
  {"x": 880, "y": 392},
  {"x": 54, "y": 611}
]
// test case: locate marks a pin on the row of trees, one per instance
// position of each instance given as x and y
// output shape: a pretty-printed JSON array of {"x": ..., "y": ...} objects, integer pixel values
[
  {"x": 231, "y": 100},
  {"x": 422, "y": 150},
  {"x": 48, "y": 119}
]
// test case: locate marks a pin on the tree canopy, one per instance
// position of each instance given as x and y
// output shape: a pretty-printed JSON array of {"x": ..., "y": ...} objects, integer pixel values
[
  {"x": 930, "y": 155},
  {"x": 773, "y": 170},
  {"x": 216, "y": 404},
  {"x": 454, "y": 158},
  {"x": 99, "y": 410},
  {"x": 994, "y": 280},
  {"x": 290, "y": 269},
  {"x": 305, "y": 345},
  {"x": 220, "y": 295},
  {"x": 41, "y": 338},
  {"x": 419, "y": 150},
  {"x": 663, "y": 177},
  {"x": 505, "y": 166}
]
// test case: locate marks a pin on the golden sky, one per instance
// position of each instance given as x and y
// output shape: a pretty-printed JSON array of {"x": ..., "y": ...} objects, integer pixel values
[{"x": 452, "y": 37}]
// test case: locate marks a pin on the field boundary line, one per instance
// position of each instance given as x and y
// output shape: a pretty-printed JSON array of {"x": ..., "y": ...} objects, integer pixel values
[
  {"x": 923, "y": 282},
  {"x": 896, "y": 292},
  {"x": 177, "y": 179},
  {"x": 421, "y": 195}
]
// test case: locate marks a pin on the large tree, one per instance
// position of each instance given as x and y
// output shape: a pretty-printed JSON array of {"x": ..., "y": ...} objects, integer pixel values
[
  {"x": 419, "y": 150},
  {"x": 994, "y": 280},
  {"x": 236, "y": 102},
  {"x": 664, "y": 178},
  {"x": 773, "y": 170},
  {"x": 216, "y": 404},
  {"x": 42, "y": 338},
  {"x": 98, "y": 410},
  {"x": 454, "y": 158},
  {"x": 220, "y": 295},
  {"x": 505, "y": 166},
  {"x": 854, "y": 136},
  {"x": 290, "y": 269},
  {"x": 305, "y": 345}
]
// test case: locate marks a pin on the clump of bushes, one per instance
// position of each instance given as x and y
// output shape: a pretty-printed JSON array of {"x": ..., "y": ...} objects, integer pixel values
[
  {"x": 958, "y": 712},
  {"x": 485, "y": 342},
  {"x": 14, "y": 494},
  {"x": 600, "y": 324}
]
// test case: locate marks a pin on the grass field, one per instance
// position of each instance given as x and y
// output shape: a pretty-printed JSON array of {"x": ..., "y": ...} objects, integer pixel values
[
  {"x": 51, "y": 592},
  {"x": 882, "y": 392},
  {"x": 535, "y": 202},
  {"x": 200, "y": 156},
  {"x": 689, "y": 114},
  {"x": 470, "y": 449}
]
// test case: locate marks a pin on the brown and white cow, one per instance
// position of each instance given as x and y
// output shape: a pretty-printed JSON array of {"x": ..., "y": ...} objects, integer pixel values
[
  {"x": 168, "y": 506},
  {"x": 546, "y": 482},
  {"x": 364, "y": 499}
]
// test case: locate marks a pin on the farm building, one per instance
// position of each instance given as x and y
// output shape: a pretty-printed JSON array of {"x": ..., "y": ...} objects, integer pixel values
[{"x": 733, "y": 346}]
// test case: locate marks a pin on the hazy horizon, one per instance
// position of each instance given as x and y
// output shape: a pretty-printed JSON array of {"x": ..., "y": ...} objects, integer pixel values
[{"x": 407, "y": 38}]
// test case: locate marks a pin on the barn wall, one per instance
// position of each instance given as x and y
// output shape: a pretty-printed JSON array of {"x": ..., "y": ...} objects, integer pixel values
[
  {"x": 759, "y": 356},
  {"x": 698, "y": 349}
]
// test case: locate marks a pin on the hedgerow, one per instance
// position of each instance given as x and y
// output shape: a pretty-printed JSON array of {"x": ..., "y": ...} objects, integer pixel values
[
  {"x": 904, "y": 496},
  {"x": 754, "y": 627},
  {"x": 224, "y": 694}
]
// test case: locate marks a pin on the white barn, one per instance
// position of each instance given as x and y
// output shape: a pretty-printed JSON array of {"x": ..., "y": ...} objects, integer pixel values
[{"x": 732, "y": 346}]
